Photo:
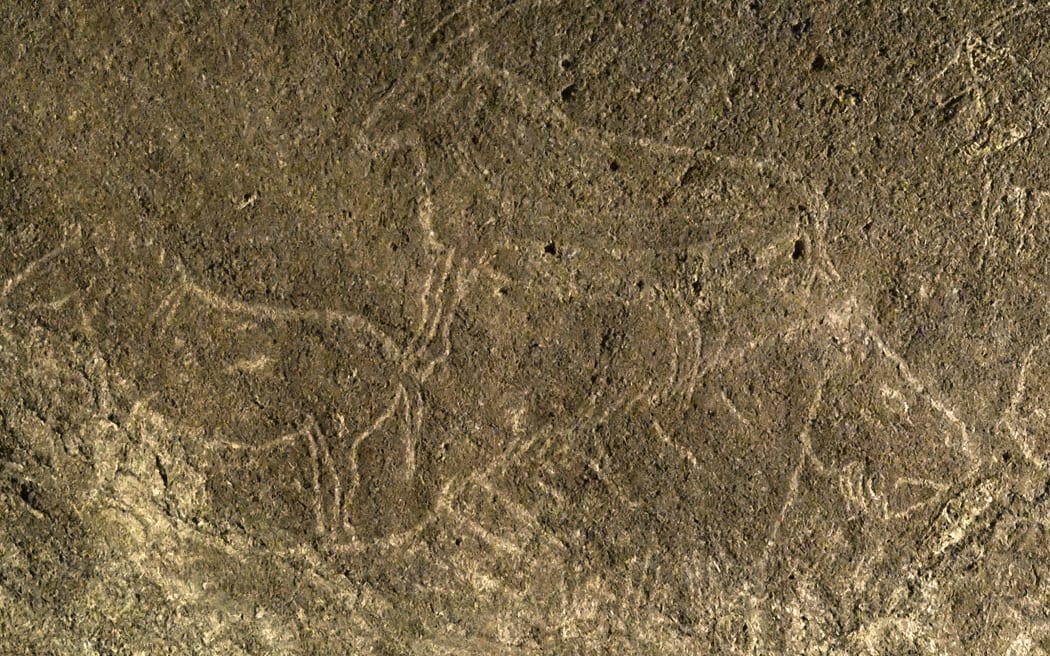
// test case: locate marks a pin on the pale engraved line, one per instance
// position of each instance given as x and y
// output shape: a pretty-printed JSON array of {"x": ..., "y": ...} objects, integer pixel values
[
  {"x": 533, "y": 100},
  {"x": 355, "y": 478},
  {"x": 422, "y": 340},
  {"x": 676, "y": 364},
  {"x": 424, "y": 313},
  {"x": 921, "y": 388},
  {"x": 275, "y": 443},
  {"x": 524, "y": 515},
  {"x": 939, "y": 490},
  {"x": 488, "y": 536},
  {"x": 1009, "y": 415},
  {"x": 55, "y": 304},
  {"x": 413, "y": 77},
  {"x": 28, "y": 270},
  {"x": 166, "y": 309},
  {"x": 410, "y": 434},
  {"x": 683, "y": 451},
  {"x": 256, "y": 309},
  {"x": 325, "y": 460},
  {"x": 734, "y": 411},
  {"x": 804, "y": 454},
  {"x": 688, "y": 383},
  {"x": 315, "y": 471}
]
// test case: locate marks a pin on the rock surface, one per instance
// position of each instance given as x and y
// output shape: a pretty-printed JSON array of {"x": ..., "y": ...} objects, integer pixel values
[{"x": 524, "y": 328}]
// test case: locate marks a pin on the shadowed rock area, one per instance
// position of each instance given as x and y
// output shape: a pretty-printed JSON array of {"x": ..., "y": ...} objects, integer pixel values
[{"x": 525, "y": 328}]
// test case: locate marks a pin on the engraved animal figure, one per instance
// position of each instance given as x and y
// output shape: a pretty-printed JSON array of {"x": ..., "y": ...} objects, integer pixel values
[{"x": 276, "y": 386}]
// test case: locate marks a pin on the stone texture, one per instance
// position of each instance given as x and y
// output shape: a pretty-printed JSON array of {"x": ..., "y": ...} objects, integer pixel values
[{"x": 524, "y": 328}]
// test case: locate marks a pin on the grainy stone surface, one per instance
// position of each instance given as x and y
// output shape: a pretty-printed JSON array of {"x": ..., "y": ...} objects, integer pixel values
[{"x": 524, "y": 327}]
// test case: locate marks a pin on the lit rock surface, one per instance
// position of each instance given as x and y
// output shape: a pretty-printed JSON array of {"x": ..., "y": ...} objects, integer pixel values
[{"x": 524, "y": 328}]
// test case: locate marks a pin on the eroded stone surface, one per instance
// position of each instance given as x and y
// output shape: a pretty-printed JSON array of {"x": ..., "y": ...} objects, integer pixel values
[{"x": 524, "y": 328}]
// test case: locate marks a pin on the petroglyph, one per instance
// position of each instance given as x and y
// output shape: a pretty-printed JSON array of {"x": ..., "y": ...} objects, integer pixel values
[{"x": 524, "y": 328}]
